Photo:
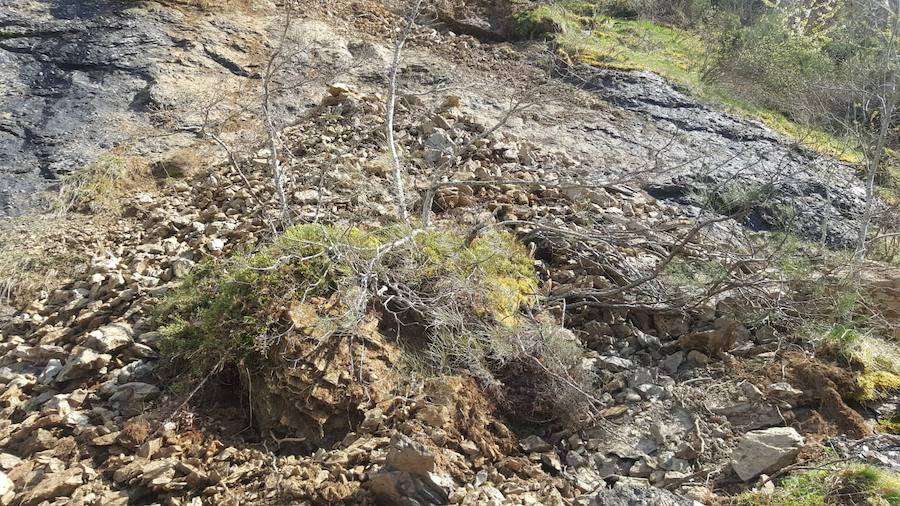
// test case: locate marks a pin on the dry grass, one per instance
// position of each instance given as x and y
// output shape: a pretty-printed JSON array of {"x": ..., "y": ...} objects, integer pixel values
[
  {"x": 99, "y": 187},
  {"x": 37, "y": 254}
]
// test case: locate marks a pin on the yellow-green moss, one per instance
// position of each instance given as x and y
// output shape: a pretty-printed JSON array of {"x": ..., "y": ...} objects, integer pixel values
[
  {"x": 877, "y": 385},
  {"x": 502, "y": 264},
  {"x": 876, "y": 359}
]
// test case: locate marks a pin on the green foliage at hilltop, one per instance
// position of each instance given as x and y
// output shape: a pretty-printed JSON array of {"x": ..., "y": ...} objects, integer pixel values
[{"x": 782, "y": 65}]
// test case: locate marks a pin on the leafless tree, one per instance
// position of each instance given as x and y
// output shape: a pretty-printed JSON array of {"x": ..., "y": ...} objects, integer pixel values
[
  {"x": 401, "y": 35},
  {"x": 871, "y": 97}
]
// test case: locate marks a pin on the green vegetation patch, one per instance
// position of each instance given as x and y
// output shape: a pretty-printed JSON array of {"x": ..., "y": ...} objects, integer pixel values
[
  {"x": 889, "y": 425},
  {"x": 832, "y": 485},
  {"x": 233, "y": 310},
  {"x": 595, "y": 33}
]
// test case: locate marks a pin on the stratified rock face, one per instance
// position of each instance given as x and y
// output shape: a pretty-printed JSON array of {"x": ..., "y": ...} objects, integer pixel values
[
  {"x": 66, "y": 65},
  {"x": 690, "y": 151},
  {"x": 765, "y": 451},
  {"x": 80, "y": 77}
]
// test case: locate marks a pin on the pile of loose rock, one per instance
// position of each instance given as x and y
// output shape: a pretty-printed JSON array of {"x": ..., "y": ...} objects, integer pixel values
[{"x": 87, "y": 418}]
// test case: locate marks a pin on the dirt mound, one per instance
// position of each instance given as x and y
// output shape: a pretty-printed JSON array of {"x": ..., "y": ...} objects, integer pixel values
[
  {"x": 825, "y": 386},
  {"x": 314, "y": 386}
]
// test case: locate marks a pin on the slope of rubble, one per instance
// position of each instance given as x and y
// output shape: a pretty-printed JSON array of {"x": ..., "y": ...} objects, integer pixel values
[{"x": 690, "y": 397}]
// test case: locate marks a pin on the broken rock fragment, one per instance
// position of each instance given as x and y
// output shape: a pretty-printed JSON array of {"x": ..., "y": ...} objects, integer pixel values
[
  {"x": 81, "y": 363},
  {"x": 407, "y": 478},
  {"x": 765, "y": 451}
]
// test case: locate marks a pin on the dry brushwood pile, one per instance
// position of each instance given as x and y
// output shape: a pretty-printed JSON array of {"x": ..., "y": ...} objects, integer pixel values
[{"x": 265, "y": 328}]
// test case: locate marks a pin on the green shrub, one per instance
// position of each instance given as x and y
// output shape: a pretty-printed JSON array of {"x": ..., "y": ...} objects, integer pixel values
[
  {"x": 233, "y": 311},
  {"x": 765, "y": 63}
]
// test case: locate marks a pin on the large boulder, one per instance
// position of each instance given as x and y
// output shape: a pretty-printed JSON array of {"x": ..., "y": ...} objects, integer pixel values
[{"x": 765, "y": 451}]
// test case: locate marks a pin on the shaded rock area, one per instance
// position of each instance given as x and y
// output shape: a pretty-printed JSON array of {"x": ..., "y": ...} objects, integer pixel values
[
  {"x": 487, "y": 20},
  {"x": 699, "y": 153},
  {"x": 631, "y": 495},
  {"x": 82, "y": 77}
]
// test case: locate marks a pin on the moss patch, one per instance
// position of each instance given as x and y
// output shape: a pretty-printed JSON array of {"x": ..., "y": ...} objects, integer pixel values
[
  {"x": 877, "y": 359},
  {"x": 878, "y": 385}
]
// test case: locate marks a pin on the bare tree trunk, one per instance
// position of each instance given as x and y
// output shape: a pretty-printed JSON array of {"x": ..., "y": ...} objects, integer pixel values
[
  {"x": 271, "y": 130},
  {"x": 393, "y": 71},
  {"x": 886, "y": 100},
  {"x": 873, "y": 162}
]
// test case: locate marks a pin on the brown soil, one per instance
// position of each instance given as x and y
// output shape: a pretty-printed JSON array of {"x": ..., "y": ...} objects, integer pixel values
[{"x": 825, "y": 386}]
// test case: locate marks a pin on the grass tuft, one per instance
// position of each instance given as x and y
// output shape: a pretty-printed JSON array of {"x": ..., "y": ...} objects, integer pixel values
[{"x": 835, "y": 484}]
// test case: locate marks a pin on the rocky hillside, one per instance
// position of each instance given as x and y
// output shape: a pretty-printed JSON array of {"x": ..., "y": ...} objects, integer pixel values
[
  {"x": 595, "y": 314},
  {"x": 83, "y": 78}
]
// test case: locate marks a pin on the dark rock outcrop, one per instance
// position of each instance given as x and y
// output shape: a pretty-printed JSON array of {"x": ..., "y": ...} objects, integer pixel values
[
  {"x": 81, "y": 76},
  {"x": 631, "y": 495},
  {"x": 704, "y": 154}
]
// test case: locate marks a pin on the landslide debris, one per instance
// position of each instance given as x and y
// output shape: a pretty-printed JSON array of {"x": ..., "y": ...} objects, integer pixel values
[{"x": 288, "y": 403}]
